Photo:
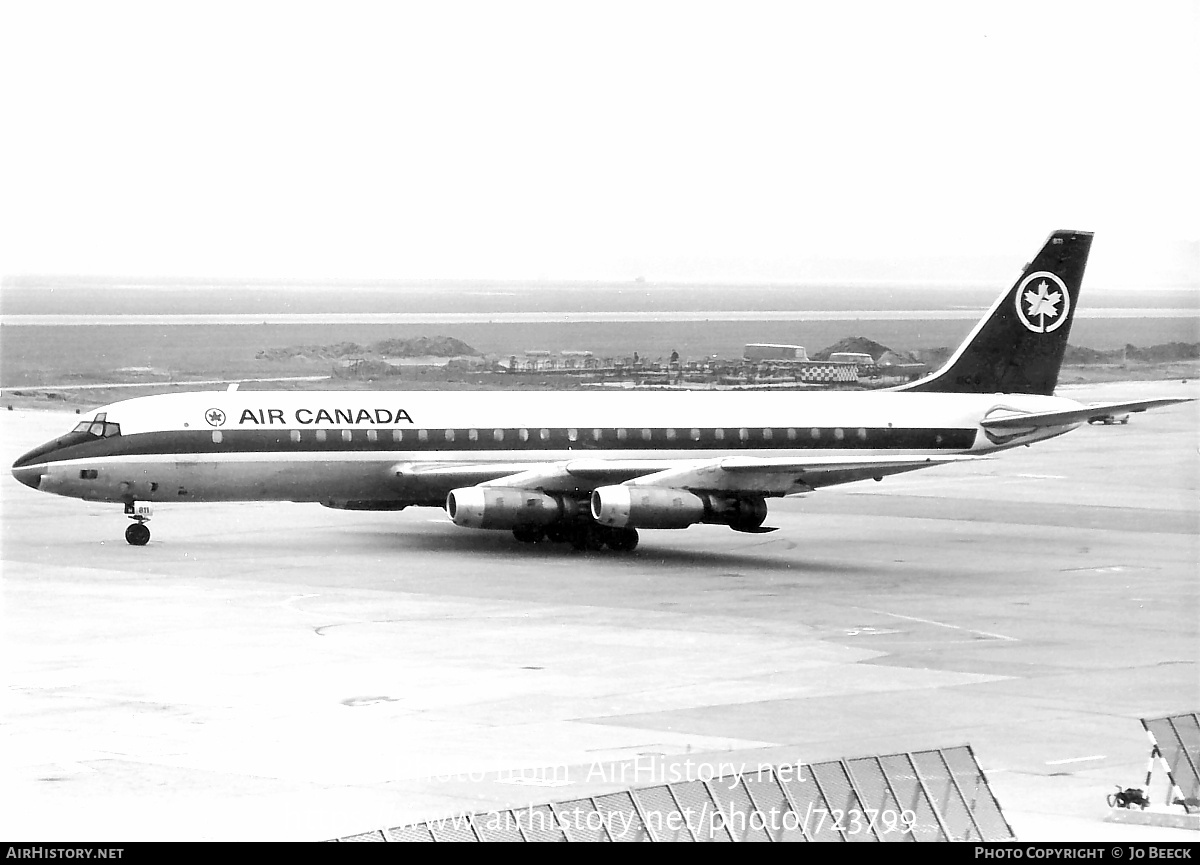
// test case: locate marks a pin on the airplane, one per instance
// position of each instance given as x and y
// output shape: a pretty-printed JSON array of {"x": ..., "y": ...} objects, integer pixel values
[{"x": 590, "y": 469}]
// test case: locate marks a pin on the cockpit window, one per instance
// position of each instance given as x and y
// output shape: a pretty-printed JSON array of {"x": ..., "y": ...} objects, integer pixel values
[{"x": 99, "y": 426}]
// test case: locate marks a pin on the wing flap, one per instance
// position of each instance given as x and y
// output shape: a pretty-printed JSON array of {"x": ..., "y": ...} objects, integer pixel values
[
  {"x": 578, "y": 475},
  {"x": 782, "y": 476},
  {"x": 1067, "y": 417}
]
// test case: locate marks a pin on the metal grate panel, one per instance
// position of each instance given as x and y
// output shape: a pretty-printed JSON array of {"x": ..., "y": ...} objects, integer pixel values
[
  {"x": 1187, "y": 730},
  {"x": 915, "y": 809},
  {"x": 946, "y": 798},
  {"x": 883, "y": 812},
  {"x": 452, "y": 829},
  {"x": 782, "y": 823},
  {"x": 365, "y": 836},
  {"x": 497, "y": 826},
  {"x": 844, "y": 808},
  {"x": 580, "y": 820},
  {"x": 700, "y": 811},
  {"x": 745, "y": 824},
  {"x": 538, "y": 823},
  {"x": 810, "y": 806},
  {"x": 662, "y": 817},
  {"x": 984, "y": 807},
  {"x": 417, "y": 832},
  {"x": 1172, "y": 751},
  {"x": 621, "y": 818}
]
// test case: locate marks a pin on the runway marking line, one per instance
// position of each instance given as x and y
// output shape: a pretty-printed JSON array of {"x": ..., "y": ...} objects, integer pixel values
[
  {"x": 947, "y": 625},
  {"x": 1076, "y": 760}
]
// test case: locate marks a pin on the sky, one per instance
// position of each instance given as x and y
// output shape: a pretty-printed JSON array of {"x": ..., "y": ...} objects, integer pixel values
[{"x": 756, "y": 142}]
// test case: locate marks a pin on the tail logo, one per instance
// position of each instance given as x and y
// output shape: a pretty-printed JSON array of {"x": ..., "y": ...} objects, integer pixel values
[{"x": 1042, "y": 302}]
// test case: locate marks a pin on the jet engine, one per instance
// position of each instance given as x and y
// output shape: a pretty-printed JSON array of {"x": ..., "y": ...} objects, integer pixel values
[
  {"x": 664, "y": 508},
  {"x": 501, "y": 508},
  {"x": 646, "y": 507}
]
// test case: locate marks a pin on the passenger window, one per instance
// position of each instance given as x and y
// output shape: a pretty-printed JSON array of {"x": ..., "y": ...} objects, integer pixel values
[
  {"x": 423, "y": 435},
  {"x": 719, "y": 435},
  {"x": 572, "y": 435},
  {"x": 217, "y": 436},
  {"x": 473, "y": 435},
  {"x": 347, "y": 435},
  {"x": 294, "y": 435},
  {"x": 862, "y": 434},
  {"x": 768, "y": 434},
  {"x": 670, "y": 435},
  {"x": 622, "y": 434},
  {"x": 695, "y": 435},
  {"x": 839, "y": 433},
  {"x": 645, "y": 435},
  {"x": 449, "y": 435},
  {"x": 814, "y": 433},
  {"x": 321, "y": 435},
  {"x": 791, "y": 434},
  {"x": 523, "y": 435},
  {"x": 597, "y": 434},
  {"x": 372, "y": 436},
  {"x": 498, "y": 435},
  {"x": 544, "y": 435},
  {"x": 744, "y": 434},
  {"x": 397, "y": 435}
]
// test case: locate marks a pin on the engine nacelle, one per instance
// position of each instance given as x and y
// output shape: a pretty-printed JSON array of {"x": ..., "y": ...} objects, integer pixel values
[
  {"x": 740, "y": 514},
  {"x": 501, "y": 508},
  {"x": 662, "y": 508},
  {"x": 646, "y": 507}
]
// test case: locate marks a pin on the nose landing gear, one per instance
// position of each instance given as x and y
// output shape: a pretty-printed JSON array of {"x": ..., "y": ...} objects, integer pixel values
[{"x": 140, "y": 512}]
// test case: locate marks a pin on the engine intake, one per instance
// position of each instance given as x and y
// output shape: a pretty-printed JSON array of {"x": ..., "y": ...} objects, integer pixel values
[{"x": 501, "y": 508}]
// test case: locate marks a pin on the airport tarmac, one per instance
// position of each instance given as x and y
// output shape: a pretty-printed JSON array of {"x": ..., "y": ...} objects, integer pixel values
[{"x": 283, "y": 671}]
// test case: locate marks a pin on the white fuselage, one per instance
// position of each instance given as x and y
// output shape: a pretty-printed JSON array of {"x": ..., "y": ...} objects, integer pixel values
[{"x": 347, "y": 446}]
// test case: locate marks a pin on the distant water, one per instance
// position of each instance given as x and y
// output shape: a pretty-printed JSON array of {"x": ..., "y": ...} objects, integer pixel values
[{"x": 599, "y": 317}]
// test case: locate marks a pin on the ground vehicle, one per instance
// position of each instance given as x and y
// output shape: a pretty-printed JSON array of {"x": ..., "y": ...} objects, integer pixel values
[{"x": 1107, "y": 419}]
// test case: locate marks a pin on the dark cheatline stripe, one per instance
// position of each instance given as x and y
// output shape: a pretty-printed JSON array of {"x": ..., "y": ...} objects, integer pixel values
[{"x": 434, "y": 441}]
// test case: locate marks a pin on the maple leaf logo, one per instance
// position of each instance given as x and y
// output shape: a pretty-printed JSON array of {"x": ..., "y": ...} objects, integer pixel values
[
  {"x": 1041, "y": 302},
  {"x": 214, "y": 416}
]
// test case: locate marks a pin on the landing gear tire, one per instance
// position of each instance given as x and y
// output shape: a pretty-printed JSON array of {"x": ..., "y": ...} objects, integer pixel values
[
  {"x": 137, "y": 534},
  {"x": 622, "y": 540},
  {"x": 528, "y": 534},
  {"x": 589, "y": 537}
]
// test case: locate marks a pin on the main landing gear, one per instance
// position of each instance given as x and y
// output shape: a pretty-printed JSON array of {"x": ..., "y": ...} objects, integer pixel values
[
  {"x": 581, "y": 536},
  {"x": 140, "y": 512}
]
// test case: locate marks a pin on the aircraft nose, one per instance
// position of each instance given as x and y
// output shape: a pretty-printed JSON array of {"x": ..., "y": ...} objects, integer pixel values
[{"x": 31, "y": 476}]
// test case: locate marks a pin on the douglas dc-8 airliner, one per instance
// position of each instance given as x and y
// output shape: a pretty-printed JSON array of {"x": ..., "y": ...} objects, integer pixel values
[{"x": 586, "y": 468}]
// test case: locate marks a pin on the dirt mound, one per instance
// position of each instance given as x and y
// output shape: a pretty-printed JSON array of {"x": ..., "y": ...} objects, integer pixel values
[
  {"x": 421, "y": 346},
  {"x": 424, "y": 346},
  {"x": 856, "y": 344}
]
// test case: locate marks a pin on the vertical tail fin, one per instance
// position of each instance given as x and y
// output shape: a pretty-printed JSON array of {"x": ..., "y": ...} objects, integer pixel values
[{"x": 1018, "y": 346}]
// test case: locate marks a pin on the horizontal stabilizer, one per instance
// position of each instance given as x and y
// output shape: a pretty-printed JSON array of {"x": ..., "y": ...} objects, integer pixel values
[{"x": 1067, "y": 417}]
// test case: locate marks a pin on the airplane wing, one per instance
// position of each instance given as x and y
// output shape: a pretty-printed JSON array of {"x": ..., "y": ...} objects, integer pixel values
[
  {"x": 779, "y": 476},
  {"x": 1066, "y": 417},
  {"x": 782, "y": 476},
  {"x": 569, "y": 475}
]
